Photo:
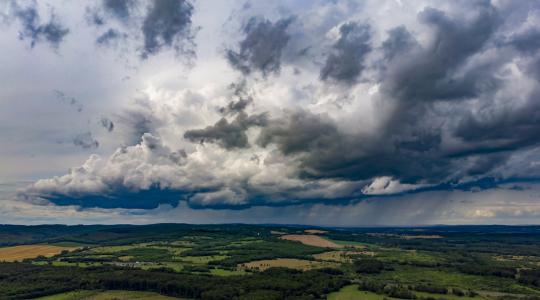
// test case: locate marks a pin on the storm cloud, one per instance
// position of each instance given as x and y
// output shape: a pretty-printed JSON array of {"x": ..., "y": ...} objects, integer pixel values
[
  {"x": 152, "y": 25},
  {"x": 330, "y": 104},
  {"x": 262, "y": 46},
  {"x": 228, "y": 134},
  {"x": 167, "y": 24},
  {"x": 345, "y": 61}
]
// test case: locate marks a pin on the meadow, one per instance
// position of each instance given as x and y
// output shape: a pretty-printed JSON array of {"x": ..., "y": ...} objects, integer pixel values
[{"x": 270, "y": 262}]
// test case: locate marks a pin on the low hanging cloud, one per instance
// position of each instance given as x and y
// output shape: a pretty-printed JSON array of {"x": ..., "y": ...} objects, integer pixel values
[{"x": 212, "y": 177}]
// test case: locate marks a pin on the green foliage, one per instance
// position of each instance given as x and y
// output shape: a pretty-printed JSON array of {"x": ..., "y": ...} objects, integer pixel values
[
  {"x": 368, "y": 266},
  {"x": 25, "y": 281},
  {"x": 531, "y": 276}
]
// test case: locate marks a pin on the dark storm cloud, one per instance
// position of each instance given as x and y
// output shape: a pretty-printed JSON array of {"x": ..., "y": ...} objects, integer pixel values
[
  {"x": 143, "y": 199},
  {"x": 109, "y": 37},
  {"x": 227, "y": 134},
  {"x": 301, "y": 132},
  {"x": 167, "y": 24},
  {"x": 158, "y": 24},
  {"x": 241, "y": 99},
  {"x": 85, "y": 140},
  {"x": 262, "y": 46},
  {"x": 345, "y": 62},
  {"x": 505, "y": 130},
  {"x": 528, "y": 41},
  {"x": 325, "y": 152},
  {"x": 408, "y": 145},
  {"x": 52, "y": 32},
  {"x": 430, "y": 75},
  {"x": 107, "y": 124},
  {"x": 121, "y": 9},
  {"x": 400, "y": 41},
  {"x": 235, "y": 106}
]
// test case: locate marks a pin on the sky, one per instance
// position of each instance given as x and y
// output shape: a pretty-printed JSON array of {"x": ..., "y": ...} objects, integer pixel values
[{"x": 331, "y": 113}]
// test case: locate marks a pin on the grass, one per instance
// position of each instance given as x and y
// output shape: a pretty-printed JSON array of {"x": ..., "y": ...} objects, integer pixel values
[
  {"x": 448, "y": 296},
  {"x": 222, "y": 272},
  {"x": 18, "y": 253},
  {"x": 201, "y": 259},
  {"x": 292, "y": 263},
  {"x": 448, "y": 278},
  {"x": 106, "y": 295},
  {"x": 112, "y": 249},
  {"x": 177, "y": 267},
  {"x": 351, "y": 292},
  {"x": 408, "y": 256}
]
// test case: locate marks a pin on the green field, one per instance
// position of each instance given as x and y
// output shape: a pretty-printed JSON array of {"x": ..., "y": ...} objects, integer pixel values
[
  {"x": 253, "y": 262},
  {"x": 106, "y": 295},
  {"x": 351, "y": 292}
]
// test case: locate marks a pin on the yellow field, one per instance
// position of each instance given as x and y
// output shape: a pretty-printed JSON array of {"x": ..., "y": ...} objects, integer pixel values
[
  {"x": 291, "y": 263},
  {"x": 18, "y": 253},
  {"x": 315, "y": 231},
  {"x": 312, "y": 240}
]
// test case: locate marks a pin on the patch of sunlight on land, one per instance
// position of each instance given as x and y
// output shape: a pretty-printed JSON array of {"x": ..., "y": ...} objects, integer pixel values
[
  {"x": 292, "y": 263},
  {"x": 106, "y": 295},
  {"x": 315, "y": 231},
  {"x": 311, "y": 240},
  {"x": 18, "y": 253},
  {"x": 351, "y": 292},
  {"x": 318, "y": 241}
]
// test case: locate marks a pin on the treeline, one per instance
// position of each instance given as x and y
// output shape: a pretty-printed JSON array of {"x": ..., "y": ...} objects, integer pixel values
[
  {"x": 403, "y": 291},
  {"x": 530, "y": 276},
  {"x": 26, "y": 281},
  {"x": 510, "y": 241}
]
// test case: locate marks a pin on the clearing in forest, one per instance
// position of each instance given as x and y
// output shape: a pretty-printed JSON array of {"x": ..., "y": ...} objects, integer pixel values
[{"x": 292, "y": 263}]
